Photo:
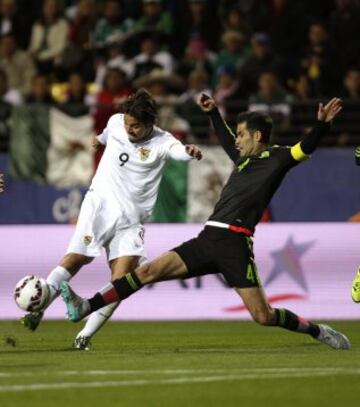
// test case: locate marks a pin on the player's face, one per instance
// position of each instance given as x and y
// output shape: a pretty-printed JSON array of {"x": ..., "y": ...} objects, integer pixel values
[
  {"x": 246, "y": 142},
  {"x": 136, "y": 130}
]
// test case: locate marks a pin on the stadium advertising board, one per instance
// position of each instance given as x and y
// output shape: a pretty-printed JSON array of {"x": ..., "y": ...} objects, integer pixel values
[{"x": 307, "y": 267}]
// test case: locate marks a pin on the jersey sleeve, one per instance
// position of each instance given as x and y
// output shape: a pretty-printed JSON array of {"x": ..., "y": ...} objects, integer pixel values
[
  {"x": 103, "y": 137},
  {"x": 224, "y": 134},
  {"x": 178, "y": 152},
  {"x": 290, "y": 156},
  {"x": 115, "y": 120}
]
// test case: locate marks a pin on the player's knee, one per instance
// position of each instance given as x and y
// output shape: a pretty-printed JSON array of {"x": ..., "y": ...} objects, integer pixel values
[{"x": 262, "y": 317}]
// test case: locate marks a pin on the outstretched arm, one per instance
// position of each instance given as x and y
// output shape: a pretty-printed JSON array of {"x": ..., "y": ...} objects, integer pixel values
[
  {"x": 326, "y": 114},
  {"x": 223, "y": 132},
  {"x": 181, "y": 152}
]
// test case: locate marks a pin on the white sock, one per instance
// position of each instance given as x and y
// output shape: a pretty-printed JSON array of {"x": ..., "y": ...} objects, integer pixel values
[
  {"x": 56, "y": 276},
  {"x": 97, "y": 319}
]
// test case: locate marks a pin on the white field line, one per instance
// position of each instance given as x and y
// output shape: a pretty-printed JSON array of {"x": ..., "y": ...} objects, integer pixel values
[
  {"x": 178, "y": 380},
  {"x": 182, "y": 371}
]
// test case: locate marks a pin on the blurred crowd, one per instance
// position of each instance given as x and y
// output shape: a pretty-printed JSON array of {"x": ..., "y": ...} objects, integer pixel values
[{"x": 86, "y": 56}]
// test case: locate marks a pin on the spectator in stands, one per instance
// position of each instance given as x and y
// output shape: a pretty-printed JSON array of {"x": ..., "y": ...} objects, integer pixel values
[
  {"x": 77, "y": 100},
  {"x": 48, "y": 37},
  {"x": 270, "y": 92},
  {"x": 321, "y": 61},
  {"x": 116, "y": 58},
  {"x": 235, "y": 21},
  {"x": 7, "y": 94},
  {"x": 262, "y": 59},
  {"x": 351, "y": 88},
  {"x": 272, "y": 99},
  {"x": 78, "y": 54},
  {"x": 164, "y": 88},
  {"x": 40, "y": 91},
  {"x": 198, "y": 82},
  {"x": 228, "y": 92},
  {"x": 115, "y": 89},
  {"x": 197, "y": 57},
  {"x": 154, "y": 18},
  {"x": 234, "y": 52},
  {"x": 13, "y": 61},
  {"x": 301, "y": 88},
  {"x": 114, "y": 26},
  {"x": 201, "y": 20},
  {"x": 15, "y": 21},
  {"x": 344, "y": 25},
  {"x": 286, "y": 27},
  {"x": 152, "y": 56}
]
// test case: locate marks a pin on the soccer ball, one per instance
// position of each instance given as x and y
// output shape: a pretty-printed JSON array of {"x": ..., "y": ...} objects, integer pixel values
[{"x": 31, "y": 293}]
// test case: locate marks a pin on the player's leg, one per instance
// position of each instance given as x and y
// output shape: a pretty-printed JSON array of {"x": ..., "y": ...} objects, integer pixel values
[
  {"x": 255, "y": 301},
  {"x": 168, "y": 266},
  {"x": 85, "y": 244},
  {"x": 355, "y": 289},
  {"x": 119, "y": 267},
  {"x": 68, "y": 267}
]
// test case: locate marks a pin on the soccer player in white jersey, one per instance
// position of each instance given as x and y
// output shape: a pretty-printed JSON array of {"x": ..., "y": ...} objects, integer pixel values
[{"x": 121, "y": 197}]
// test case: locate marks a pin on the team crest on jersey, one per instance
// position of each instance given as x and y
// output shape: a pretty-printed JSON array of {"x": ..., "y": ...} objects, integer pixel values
[
  {"x": 144, "y": 153},
  {"x": 87, "y": 239}
]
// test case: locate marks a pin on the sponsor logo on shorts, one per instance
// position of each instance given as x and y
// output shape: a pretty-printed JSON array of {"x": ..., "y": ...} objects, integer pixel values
[
  {"x": 144, "y": 153},
  {"x": 87, "y": 239}
]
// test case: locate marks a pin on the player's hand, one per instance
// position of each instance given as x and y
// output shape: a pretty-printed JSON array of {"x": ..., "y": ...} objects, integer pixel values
[
  {"x": 95, "y": 143},
  {"x": 328, "y": 112},
  {"x": 1, "y": 182},
  {"x": 193, "y": 151},
  {"x": 206, "y": 103}
]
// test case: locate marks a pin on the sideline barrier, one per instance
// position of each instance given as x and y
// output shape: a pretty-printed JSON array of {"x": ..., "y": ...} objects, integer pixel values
[{"x": 306, "y": 267}]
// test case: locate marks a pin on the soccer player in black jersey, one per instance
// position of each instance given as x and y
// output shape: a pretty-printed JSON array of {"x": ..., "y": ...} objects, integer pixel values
[{"x": 225, "y": 244}]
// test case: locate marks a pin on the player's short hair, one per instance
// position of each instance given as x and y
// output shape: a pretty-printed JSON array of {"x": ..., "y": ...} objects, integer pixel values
[
  {"x": 256, "y": 121},
  {"x": 142, "y": 106}
]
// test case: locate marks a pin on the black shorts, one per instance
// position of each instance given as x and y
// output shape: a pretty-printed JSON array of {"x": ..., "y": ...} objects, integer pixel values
[{"x": 218, "y": 250}]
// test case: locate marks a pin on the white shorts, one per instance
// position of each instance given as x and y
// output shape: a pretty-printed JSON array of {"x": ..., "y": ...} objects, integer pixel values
[{"x": 103, "y": 224}]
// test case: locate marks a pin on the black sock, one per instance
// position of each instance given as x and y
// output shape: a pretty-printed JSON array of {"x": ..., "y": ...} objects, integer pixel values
[
  {"x": 288, "y": 320},
  {"x": 117, "y": 291},
  {"x": 96, "y": 302}
]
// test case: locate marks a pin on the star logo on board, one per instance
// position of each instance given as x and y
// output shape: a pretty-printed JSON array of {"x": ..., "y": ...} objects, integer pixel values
[
  {"x": 144, "y": 153},
  {"x": 288, "y": 260}
]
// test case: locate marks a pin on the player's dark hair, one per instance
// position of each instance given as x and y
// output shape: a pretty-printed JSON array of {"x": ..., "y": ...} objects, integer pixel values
[
  {"x": 256, "y": 121},
  {"x": 142, "y": 106}
]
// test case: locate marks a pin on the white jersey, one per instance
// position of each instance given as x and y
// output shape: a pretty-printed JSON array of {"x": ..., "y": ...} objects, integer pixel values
[{"x": 129, "y": 174}]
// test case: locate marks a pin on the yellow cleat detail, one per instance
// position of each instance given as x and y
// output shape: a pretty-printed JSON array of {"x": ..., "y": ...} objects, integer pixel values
[{"x": 355, "y": 289}]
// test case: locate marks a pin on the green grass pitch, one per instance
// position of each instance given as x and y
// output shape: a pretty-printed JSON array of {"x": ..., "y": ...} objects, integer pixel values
[{"x": 176, "y": 364}]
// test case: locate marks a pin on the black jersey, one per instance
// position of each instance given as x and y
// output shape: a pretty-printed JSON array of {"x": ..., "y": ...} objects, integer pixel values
[
  {"x": 256, "y": 178},
  {"x": 251, "y": 186}
]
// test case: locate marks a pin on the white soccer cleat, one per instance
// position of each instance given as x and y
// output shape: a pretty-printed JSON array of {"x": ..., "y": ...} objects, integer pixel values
[{"x": 332, "y": 338}]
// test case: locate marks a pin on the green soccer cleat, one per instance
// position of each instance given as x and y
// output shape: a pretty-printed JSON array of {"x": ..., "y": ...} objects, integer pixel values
[
  {"x": 77, "y": 307},
  {"x": 355, "y": 289},
  {"x": 332, "y": 338},
  {"x": 32, "y": 320},
  {"x": 82, "y": 343}
]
